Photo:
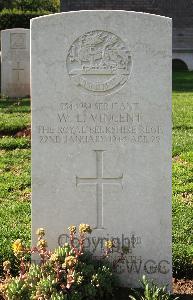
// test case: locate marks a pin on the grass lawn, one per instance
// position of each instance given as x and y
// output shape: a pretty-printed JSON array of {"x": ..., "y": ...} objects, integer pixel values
[
  {"x": 182, "y": 153},
  {"x": 15, "y": 175}
]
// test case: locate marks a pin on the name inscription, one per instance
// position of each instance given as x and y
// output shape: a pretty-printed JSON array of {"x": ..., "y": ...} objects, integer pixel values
[{"x": 100, "y": 122}]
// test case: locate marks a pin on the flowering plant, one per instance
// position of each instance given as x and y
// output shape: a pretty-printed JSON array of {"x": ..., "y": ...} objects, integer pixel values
[{"x": 65, "y": 273}]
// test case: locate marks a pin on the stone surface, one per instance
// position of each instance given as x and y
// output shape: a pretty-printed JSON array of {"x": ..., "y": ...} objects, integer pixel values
[
  {"x": 15, "y": 62},
  {"x": 101, "y": 146}
]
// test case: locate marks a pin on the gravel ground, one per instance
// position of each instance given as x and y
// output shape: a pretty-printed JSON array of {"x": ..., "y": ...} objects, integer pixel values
[{"x": 183, "y": 287}]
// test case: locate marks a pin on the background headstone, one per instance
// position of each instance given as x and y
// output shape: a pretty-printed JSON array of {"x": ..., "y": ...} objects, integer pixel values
[
  {"x": 101, "y": 146},
  {"x": 15, "y": 62}
]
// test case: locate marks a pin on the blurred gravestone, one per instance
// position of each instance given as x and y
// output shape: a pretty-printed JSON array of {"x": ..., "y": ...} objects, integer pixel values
[{"x": 15, "y": 62}]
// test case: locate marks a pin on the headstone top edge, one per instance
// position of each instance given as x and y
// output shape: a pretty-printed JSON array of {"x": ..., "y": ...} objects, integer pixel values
[
  {"x": 101, "y": 12},
  {"x": 15, "y": 29}
]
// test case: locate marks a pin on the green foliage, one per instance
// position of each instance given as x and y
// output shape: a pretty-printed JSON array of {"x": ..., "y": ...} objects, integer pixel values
[
  {"x": 94, "y": 279},
  {"x": 18, "y": 290},
  {"x": 18, "y": 19},
  {"x": 65, "y": 273},
  {"x": 31, "y": 5},
  {"x": 151, "y": 292},
  {"x": 37, "y": 5},
  {"x": 5, "y": 4},
  {"x": 182, "y": 81}
]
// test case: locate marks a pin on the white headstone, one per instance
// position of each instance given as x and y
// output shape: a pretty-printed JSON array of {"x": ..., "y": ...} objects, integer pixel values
[
  {"x": 15, "y": 62},
  {"x": 101, "y": 147}
]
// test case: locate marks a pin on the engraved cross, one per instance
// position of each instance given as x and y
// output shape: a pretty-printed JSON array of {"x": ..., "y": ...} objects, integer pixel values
[
  {"x": 18, "y": 68},
  {"x": 99, "y": 180}
]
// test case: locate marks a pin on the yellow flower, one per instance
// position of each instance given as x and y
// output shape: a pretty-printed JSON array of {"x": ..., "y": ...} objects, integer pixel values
[
  {"x": 6, "y": 265},
  {"x": 72, "y": 229},
  {"x": 40, "y": 231},
  {"x": 85, "y": 228},
  {"x": 17, "y": 246},
  {"x": 109, "y": 244},
  {"x": 70, "y": 261},
  {"x": 42, "y": 243},
  {"x": 79, "y": 279},
  {"x": 95, "y": 280},
  {"x": 3, "y": 287},
  {"x": 54, "y": 257}
]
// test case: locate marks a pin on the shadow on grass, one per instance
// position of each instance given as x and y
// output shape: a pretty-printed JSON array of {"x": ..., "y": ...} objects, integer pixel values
[
  {"x": 182, "y": 81},
  {"x": 183, "y": 127},
  {"x": 14, "y": 105}
]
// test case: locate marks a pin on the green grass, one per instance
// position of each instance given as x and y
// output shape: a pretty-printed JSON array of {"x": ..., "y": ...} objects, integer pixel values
[
  {"x": 182, "y": 236},
  {"x": 14, "y": 116},
  {"x": 10, "y": 143},
  {"x": 15, "y": 175},
  {"x": 15, "y": 178},
  {"x": 182, "y": 153},
  {"x": 14, "y": 200},
  {"x": 182, "y": 122},
  {"x": 15, "y": 223}
]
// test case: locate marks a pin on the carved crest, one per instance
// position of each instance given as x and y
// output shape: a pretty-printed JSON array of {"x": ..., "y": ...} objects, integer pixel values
[{"x": 98, "y": 61}]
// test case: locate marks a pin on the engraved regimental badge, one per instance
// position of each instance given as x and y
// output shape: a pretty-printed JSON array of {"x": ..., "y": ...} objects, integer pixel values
[{"x": 99, "y": 62}]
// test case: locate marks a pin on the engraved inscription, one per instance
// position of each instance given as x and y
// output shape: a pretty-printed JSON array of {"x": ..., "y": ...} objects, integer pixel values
[
  {"x": 99, "y": 62},
  {"x": 115, "y": 122},
  {"x": 20, "y": 55},
  {"x": 18, "y": 41},
  {"x": 18, "y": 70},
  {"x": 98, "y": 181}
]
